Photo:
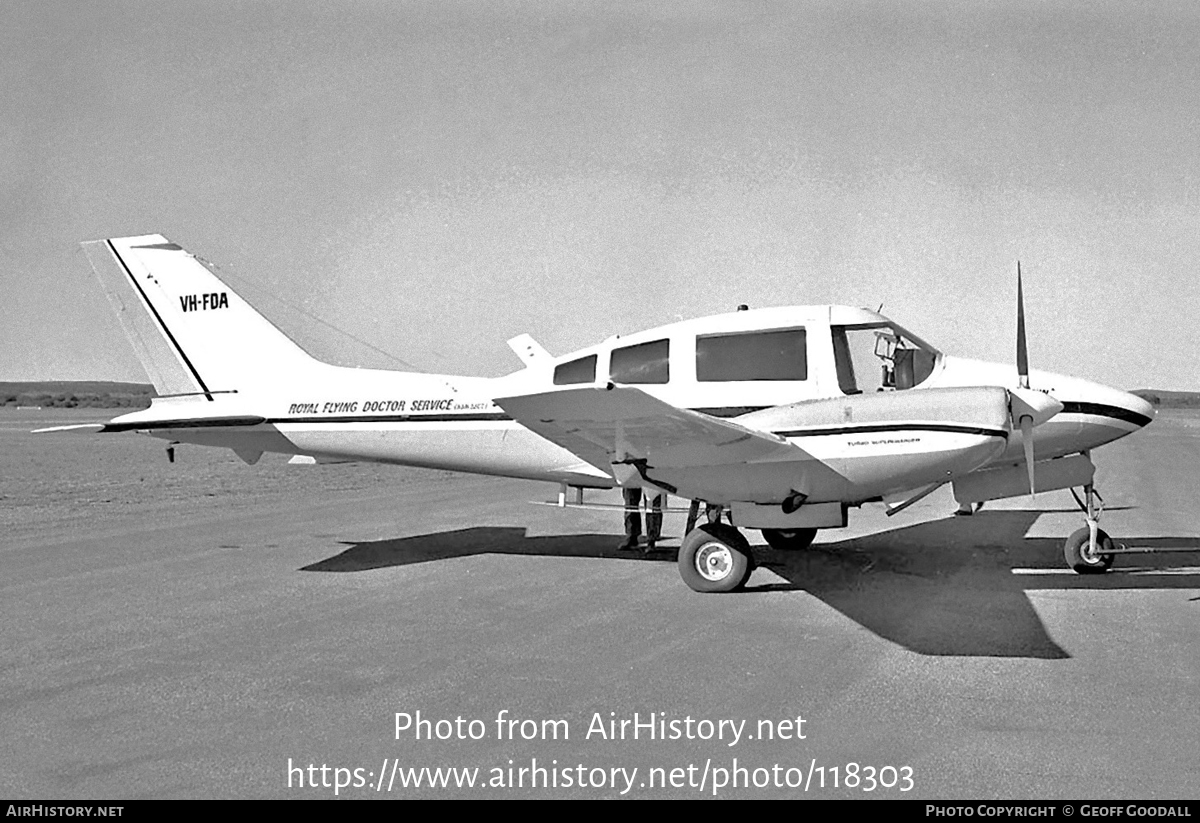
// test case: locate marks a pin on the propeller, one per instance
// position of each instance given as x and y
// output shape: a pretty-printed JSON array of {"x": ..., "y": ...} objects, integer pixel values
[
  {"x": 1022, "y": 349},
  {"x": 1028, "y": 408}
]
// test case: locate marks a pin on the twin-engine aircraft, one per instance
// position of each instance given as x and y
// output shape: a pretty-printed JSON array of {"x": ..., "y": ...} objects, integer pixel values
[{"x": 782, "y": 418}]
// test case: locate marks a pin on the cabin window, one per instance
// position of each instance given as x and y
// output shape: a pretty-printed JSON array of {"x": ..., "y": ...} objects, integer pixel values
[
  {"x": 878, "y": 357},
  {"x": 760, "y": 355},
  {"x": 644, "y": 363},
  {"x": 582, "y": 370}
]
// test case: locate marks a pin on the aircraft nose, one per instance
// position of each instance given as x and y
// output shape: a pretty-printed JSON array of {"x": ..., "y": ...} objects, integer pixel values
[
  {"x": 1121, "y": 408},
  {"x": 1140, "y": 411}
]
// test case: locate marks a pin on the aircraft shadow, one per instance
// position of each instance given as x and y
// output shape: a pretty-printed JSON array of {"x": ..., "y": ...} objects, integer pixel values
[
  {"x": 959, "y": 586},
  {"x": 956, "y": 586}
]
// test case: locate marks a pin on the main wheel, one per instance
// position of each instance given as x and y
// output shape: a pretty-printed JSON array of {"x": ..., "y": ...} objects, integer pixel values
[
  {"x": 789, "y": 539},
  {"x": 1079, "y": 556},
  {"x": 715, "y": 558}
]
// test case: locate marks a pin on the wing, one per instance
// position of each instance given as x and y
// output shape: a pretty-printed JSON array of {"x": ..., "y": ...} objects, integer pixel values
[{"x": 627, "y": 425}]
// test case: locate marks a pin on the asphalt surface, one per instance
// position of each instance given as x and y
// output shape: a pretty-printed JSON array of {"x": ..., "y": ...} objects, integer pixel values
[{"x": 209, "y": 629}]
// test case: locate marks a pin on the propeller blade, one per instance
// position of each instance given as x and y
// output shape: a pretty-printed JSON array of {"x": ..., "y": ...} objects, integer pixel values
[
  {"x": 1022, "y": 349},
  {"x": 1025, "y": 404},
  {"x": 1027, "y": 442}
]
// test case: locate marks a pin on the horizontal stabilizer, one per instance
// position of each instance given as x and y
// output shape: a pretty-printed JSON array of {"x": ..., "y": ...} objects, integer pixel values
[{"x": 74, "y": 427}]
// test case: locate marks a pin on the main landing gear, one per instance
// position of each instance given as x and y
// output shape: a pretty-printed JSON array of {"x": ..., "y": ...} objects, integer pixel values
[
  {"x": 715, "y": 557},
  {"x": 1090, "y": 550}
]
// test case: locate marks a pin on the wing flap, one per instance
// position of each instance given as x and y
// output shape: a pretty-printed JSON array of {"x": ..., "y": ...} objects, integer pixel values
[{"x": 623, "y": 424}]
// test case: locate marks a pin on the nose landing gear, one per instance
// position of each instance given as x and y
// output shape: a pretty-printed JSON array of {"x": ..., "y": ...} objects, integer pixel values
[{"x": 1090, "y": 550}]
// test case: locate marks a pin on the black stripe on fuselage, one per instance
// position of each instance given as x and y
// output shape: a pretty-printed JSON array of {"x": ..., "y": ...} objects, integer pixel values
[
  {"x": 1095, "y": 409},
  {"x": 465, "y": 417},
  {"x": 730, "y": 411},
  {"x": 1105, "y": 410},
  {"x": 179, "y": 349},
  {"x": 500, "y": 417},
  {"x": 872, "y": 428}
]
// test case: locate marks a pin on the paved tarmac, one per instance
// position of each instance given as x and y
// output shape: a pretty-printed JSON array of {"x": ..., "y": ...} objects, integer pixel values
[{"x": 209, "y": 629}]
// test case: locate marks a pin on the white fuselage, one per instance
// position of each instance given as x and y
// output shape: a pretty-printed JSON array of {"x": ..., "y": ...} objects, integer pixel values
[{"x": 453, "y": 423}]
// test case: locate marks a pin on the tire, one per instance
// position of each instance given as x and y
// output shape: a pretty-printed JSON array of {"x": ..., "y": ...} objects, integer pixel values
[
  {"x": 715, "y": 558},
  {"x": 1075, "y": 551},
  {"x": 789, "y": 539}
]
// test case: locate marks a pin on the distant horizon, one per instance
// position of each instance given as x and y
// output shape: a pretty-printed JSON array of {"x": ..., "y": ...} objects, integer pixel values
[{"x": 437, "y": 178}]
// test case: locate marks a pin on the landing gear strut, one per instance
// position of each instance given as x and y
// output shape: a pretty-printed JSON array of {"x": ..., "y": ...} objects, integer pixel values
[
  {"x": 715, "y": 558},
  {"x": 1089, "y": 550}
]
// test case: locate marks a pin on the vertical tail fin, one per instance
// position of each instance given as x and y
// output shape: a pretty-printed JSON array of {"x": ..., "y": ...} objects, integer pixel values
[{"x": 193, "y": 334}]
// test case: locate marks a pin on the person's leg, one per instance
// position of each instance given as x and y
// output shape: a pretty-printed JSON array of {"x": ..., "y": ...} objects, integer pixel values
[
  {"x": 654, "y": 507},
  {"x": 633, "y": 519},
  {"x": 693, "y": 516},
  {"x": 712, "y": 512}
]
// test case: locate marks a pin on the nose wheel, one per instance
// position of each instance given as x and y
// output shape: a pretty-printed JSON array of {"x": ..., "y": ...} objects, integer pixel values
[
  {"x": 1085, "y": 558},
  {"x": 1090, "y": 550}
]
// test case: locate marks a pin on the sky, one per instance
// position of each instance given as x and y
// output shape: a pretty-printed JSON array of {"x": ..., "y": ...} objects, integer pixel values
[{"x": 410, "y": 184}]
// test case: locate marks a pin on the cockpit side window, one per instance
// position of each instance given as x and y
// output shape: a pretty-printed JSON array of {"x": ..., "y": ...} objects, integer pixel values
[
  {"x": 643, "y": 363},
  {"x": 879, "y": 357},
  {"x": 759, "y": 355},
  {"x": 582, "y": 370}
]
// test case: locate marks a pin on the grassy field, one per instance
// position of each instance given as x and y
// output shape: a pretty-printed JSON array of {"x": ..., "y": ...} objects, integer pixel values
[
  {"x": 88, "y": 394},
  {"x": 81, "y": 479},
  {"x": 1170, "y": 399}
]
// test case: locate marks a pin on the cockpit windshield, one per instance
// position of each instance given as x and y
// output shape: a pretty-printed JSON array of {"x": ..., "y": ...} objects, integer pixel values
[{"x": 875, "y": 357}]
